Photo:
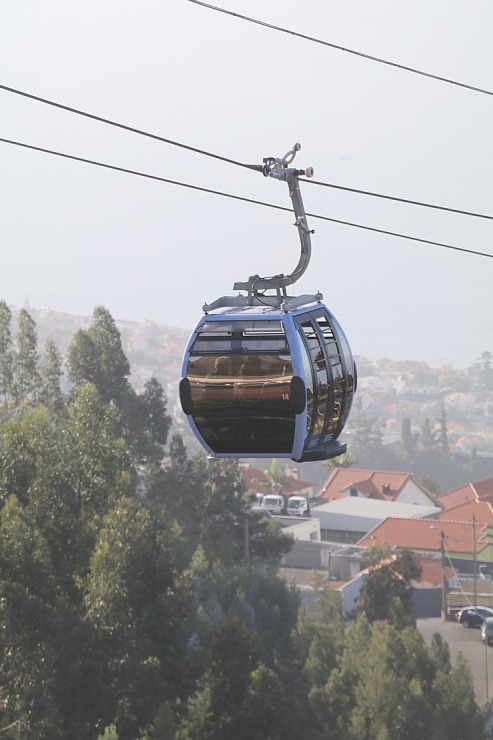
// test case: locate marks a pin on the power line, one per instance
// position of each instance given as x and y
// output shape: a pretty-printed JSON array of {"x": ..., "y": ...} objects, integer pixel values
[
  {"x": 206, "y": 153},
  {"x": 342, "y": 48},
  {"x": 241, "y": 198}
]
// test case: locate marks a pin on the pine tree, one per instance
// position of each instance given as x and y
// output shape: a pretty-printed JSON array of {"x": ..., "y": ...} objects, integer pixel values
[
  {"x": 26, "y": 358},
  {"x": 114, "y": 367},
  {"x": 6, "y": 353},
  {"x": 51, "y": 373},
  {"x": 444, "y": 444},
  {"x": 96, "y": 356}
]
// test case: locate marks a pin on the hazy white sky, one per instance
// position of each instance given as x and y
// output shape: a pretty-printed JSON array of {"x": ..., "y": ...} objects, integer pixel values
[{"x": 74, "y": 236}]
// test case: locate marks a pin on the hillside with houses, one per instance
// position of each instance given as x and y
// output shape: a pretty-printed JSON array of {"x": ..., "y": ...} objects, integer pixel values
[
  {"x": 356, "y": 510},
  {"x": 392, "y": 391},
  {"x": 434, "y": 421}
]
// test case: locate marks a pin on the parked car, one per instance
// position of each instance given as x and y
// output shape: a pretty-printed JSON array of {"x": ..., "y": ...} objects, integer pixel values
[
  {"x": 487, "y": 630},
  {"x": 473, "y": 616}
]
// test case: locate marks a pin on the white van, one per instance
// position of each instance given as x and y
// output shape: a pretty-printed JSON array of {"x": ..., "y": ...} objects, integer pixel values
[
  {"x": 274, "y": 503},
  {"x": 297, "y": 506}
]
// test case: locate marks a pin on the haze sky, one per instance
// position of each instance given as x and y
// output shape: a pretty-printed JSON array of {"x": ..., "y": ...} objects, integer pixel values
[{"x": 74, "y": 236}]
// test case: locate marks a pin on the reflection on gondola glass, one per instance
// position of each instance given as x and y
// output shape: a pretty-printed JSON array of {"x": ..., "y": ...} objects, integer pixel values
[
  {"x": 242, "y": 400},
  {"x": 333, "y": 385}
]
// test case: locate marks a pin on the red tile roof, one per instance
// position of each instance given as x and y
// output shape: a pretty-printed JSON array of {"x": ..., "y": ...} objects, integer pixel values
[
  {"x": 479, "y": 490},
  {"x": 253, "y": 478},
  {"x": 256, "y": 480},
  {"x": 431, "y": 572},
  {"x": 371, "y": 482},
  {"x": 425, "y": 534},
  {"x": 456, "y": 498},
  {"x": 484, "y": 488},
  {"x": 481, "y": 510}
]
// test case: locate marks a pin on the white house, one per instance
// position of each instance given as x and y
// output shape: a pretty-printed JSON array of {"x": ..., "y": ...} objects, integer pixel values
[{"x": 349, "y": 519}]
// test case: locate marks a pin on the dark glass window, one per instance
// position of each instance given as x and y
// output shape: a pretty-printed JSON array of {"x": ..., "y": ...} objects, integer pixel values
[
  {"x": 240, "y": 336},
  {"x": 241, "y": 399},
  {"x": 331, "y": 367},
  {"x": 319, "y": 403}
]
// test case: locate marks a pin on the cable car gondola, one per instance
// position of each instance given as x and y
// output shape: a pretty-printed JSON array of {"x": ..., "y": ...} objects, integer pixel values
[{"x": 267, "y": 374}]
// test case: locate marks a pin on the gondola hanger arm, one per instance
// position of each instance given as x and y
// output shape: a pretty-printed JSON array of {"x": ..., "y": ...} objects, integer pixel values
[{"x": 278, "y": 169}]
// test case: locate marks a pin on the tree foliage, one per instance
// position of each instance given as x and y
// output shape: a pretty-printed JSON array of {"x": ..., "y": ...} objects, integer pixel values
[
  {"x": 51, "y": 373},
  {"x": 26, "y": 358},
  {"x": 141, "y": 599},
  {"x": 96, "y": 356},
  {"x": 6, "y": 352},
  {"x": 387, "y": 594}
]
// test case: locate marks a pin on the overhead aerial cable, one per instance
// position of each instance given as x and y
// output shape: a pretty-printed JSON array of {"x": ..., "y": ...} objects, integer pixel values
[
  {"x": 370, "y": 57},
  {"x": 241, "y": 198},
  {"x": 228, "y": 160},
  {"x": 396, "y": 199},
  {"x": 123, "y": 126}
]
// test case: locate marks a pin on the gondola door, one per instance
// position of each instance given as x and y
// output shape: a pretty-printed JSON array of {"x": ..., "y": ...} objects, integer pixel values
[{"x": 327, "y": 402}]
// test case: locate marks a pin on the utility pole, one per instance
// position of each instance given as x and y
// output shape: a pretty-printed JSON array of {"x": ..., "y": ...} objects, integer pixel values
[
  {"x": 474, "y": 558},
  {"x": 486, "y": 669},
  {"x": 444, "y": 582},
  {"x": 246, "y": 542}
]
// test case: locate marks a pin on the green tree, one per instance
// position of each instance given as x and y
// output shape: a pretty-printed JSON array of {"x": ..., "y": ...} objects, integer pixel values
[
  {"x": 387, "y": 594},
  {"x": 97, "y": 466},
  {"x": 457, "y": 715},
  {"x": 222, "y": 507},
  {"x": 26, "y": 358},
  {"x": 267, "y": 542},
  {"x": 147, "y": 423},
  {"x": 214, "y": 710},
  {"x": 275, "y": 477},
  {"x": 388, "y": 685},
  {"x": 429, "y": 482},
  {"x": 331, "y": 704},
  {"x": 137, "y": 602},
  {"x": 6, "y": 353},
  {"x": 36, "y": 464},
  {"x": 267, "y": 710},
  {"x": 114, "y": 367},
  {"x": 97, "y": 356},
  {"x": 51, "y": 372},
  {"x": 367, "y": 443},
  {"x": 319, "y": 638},
  {"x": 443, "y": 435},
  {"x": 440, "y": 652},
  {"x": 29, "y": 616},
  {"x": 83, "y": 360},
  {"x": 409, "y": 440},
  {"x": 347, "y": 460},
  {"x": 17, "y": 460},
  {"x": 392, "y": 697},
  {"x": 427, "y": 436},
  {"x": 484, "y": 371}
]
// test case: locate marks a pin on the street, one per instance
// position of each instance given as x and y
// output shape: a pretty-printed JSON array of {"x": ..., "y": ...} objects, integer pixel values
[{"x": 469, "y": 643}]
